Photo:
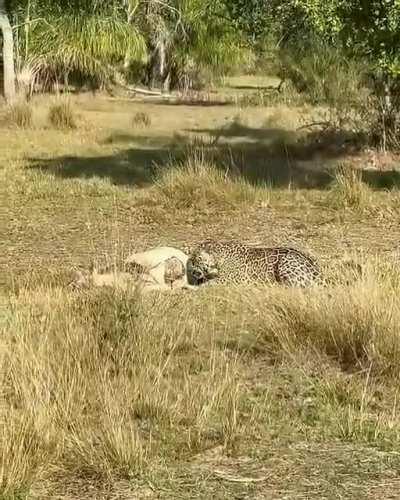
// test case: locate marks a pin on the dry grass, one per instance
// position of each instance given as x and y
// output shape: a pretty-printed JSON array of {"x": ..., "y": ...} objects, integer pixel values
[
  {"x": 348, "y": 189},
  {"x": 20, "y": 114},
  {"x": 198, "y": 183},
  {"x": 107, "y": 385},
  {"x": 62, "y": 115},
  {"x": 141, "y": 119},
  {"x": 101, "y": 383}
]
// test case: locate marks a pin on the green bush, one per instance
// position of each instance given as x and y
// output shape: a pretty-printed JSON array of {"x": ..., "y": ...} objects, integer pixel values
[{"x": 325, "y": 75}]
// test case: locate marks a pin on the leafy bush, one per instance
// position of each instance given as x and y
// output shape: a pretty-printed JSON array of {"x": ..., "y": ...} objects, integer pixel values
[
  {"x": 325, "y": 75},
  {"x": 84, "y": 44}
]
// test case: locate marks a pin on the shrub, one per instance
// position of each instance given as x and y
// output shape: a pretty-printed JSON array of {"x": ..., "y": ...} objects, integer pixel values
[{"x": 325, "y": 75}]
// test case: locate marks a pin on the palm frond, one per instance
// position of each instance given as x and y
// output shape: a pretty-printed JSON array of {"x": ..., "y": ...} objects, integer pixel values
[{"x": 90, "y": 45}]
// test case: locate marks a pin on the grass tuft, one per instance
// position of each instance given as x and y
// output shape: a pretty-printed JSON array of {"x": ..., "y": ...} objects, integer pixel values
[
  {"x": 348, "y": 189},
  {"x": 62, "y": 115},
  {"x": 20, "y": 114},
  {"x": 199, "y": 183},
  {"x": 141, "y": 119}
]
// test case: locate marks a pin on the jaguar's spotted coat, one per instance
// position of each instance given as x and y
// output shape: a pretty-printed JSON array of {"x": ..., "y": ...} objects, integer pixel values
[{"x": 235, "y": 262}]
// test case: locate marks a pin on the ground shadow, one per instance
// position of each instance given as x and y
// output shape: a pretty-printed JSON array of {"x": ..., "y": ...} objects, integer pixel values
[
  {"x": 332, "y": 143},
  {"x": 268, "y": 136},
  {"x": 376, "y": 179},
  {"x": 118, "y": 138},
  {"x": 138, "y": 167},
  {"x": 260, "y": 155},
  {"x": 135, "y": 167}
]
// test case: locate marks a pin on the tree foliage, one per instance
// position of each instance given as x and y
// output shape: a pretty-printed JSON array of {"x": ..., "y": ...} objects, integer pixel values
[
  {"x": 209, "y": 40},
  {"x": 96, "y": 38},
  {"x": 252, "y": 17},
  {"x": 85, "y": 37},
  {"x": 372, "y": 29},
  {"x": 363, "y": 29}
]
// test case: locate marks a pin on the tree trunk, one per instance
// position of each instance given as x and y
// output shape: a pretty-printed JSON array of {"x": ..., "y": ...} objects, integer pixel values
[
  {"x": 166, "y": 86},
  {"x": 162, "y": 55},
  {"x": 8, "y": 54},
  {"x": 164, "y": 72}
]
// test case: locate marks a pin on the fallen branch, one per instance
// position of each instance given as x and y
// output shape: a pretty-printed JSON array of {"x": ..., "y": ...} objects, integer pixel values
[
  {"x": 313, "y": 124},
  {"x": 144, "y": 91}
]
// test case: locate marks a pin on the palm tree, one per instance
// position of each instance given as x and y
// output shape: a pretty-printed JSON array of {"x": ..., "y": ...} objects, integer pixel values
[
  {"x": 80, "y": 40},
  {"x": 187, "y": 38},
  {"x": 92, "y": 41},
  {"x": 8, "y": 54}
]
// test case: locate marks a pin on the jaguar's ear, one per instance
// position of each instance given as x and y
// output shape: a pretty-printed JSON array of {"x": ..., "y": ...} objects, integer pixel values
[
  {"x": 186, "y": 249},
  {"x": 195, "y": 252}
]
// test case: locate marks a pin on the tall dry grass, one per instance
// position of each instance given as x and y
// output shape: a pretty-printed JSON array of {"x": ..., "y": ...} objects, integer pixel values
[
  {"x": 105, "y": 385},
  {"x": 20, "y": 114},
  {"x": 95, "y": 385},
  {"x": 348, "y": 189},
  {"x": 62, "y": 114},
  {"x": 198, "y": 183},
  {"x": 141, "y": 119}
]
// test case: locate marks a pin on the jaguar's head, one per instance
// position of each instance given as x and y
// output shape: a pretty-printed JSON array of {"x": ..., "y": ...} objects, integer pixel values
[{"x": 202, "y": 267}]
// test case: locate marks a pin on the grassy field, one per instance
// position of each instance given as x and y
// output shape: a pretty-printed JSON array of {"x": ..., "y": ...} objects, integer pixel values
[{"x": 246, "y": 393}]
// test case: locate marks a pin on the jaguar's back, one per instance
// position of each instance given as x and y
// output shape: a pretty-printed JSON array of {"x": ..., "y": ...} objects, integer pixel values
[{"x": 234, "y": 262}]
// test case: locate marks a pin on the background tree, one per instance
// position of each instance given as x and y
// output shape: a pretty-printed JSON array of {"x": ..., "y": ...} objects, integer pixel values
[
  {"x": 182, "y": 42},
  {"x": 190, "y": 40},
  {"x": 81, "y": 40},
  {"x": 188, "y": 43},
  {"x": 372, "y": 30},
  {"x": 8, "y": 53}
]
